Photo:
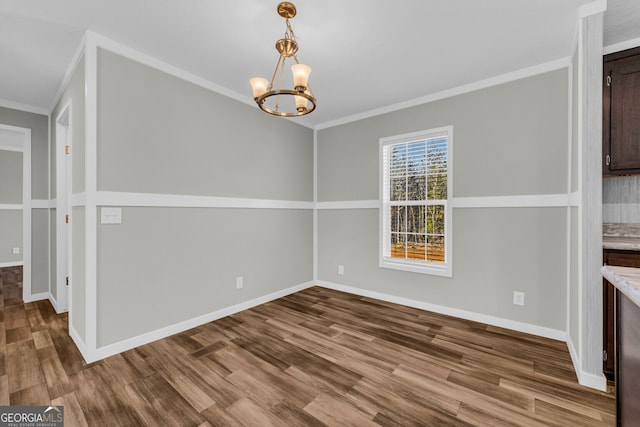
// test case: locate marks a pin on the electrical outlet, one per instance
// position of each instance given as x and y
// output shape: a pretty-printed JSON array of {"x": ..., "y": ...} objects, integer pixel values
[
  {"x": 16, "y": 251},
  {"x": 518, "y": 298},
  {"x": 341, "y": 270},
  {"x": 239, "y": 282}
]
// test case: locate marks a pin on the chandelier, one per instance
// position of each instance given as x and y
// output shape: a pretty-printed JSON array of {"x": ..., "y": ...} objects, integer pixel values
[{"x": 269, "y": 95}]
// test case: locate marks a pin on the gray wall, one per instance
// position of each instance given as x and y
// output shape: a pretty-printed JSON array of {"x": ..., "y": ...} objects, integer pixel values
[
  {"x": 10, "y": 235},
  {"x": 10, "y": 193},
  {"x": 39, "y": 251},
  {"x": 162, "y": 266},
  {"x": 509, "y": 139},
  {"x": 10, "y": 177},
  {"x": 159, "y": 134},
  {"x": 38, "y": 124},
  {"x": 78, "y": 315}
]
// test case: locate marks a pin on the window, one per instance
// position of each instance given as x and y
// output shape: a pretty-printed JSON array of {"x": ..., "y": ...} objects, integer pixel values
[{"x": 415, "y": 188}]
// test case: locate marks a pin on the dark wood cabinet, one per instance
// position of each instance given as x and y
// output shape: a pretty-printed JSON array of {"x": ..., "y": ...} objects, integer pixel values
[
  {"x": 623, "y": 259},
  {"x": 621, "y": 113},
  {"x": 627, "y": 361}
]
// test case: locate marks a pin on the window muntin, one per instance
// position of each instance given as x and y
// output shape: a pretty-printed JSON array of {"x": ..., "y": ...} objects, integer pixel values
[{"x": 415, "y": 191}]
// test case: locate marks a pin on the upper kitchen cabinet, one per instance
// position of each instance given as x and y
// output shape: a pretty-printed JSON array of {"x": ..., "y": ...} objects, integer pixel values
[{"x": 621, "y": 113}]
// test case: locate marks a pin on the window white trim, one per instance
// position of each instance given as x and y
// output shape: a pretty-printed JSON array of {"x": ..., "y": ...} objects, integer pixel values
[{"x": 438, "y": 269}]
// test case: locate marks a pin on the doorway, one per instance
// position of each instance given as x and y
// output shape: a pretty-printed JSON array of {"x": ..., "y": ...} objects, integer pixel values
[{"x": 15, "y": 208}]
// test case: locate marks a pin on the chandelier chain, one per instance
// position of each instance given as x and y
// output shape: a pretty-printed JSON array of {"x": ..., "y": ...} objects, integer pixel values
[{"x": 289, "y": 34}]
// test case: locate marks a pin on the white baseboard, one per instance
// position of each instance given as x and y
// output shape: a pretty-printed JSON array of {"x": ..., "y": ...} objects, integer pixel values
[
  {"x": 463, "y": 314},
  {"x": 79, "y": 342},
  {"x": 115, "y": 348},
  {"x": 11, "y": 264},
  {"x": 36, "y": 297},
  {"x": 599, "y": 382},
  {"x": 54, "y": 303}
]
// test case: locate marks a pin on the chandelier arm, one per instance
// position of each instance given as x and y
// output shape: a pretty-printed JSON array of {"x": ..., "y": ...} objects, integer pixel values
[
  {"x": 275, "y": 73},
  {"x": 282, "y": 62}
]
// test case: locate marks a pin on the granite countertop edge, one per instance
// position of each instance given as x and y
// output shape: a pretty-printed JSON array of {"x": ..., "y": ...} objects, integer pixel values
[
  {"x": 621, "y": 243},
  {"x": 626, "y": 279}
]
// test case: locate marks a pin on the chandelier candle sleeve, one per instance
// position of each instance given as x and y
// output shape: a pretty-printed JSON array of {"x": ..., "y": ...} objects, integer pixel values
[
  {"x": 259, "y": 86},
  {"x": 300, "y": 76},
  {"x": 270, "y": 96}
]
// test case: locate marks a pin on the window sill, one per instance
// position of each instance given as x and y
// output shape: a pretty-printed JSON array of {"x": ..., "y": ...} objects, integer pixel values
[{"x": 443, "y": 270}]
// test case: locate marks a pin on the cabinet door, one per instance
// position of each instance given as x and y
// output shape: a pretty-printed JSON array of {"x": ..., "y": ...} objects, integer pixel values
[
  {"x": 622, "y": 259},
  {"x": 623, "y": 84}
]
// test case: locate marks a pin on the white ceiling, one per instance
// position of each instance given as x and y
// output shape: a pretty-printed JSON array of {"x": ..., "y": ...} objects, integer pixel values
[{"x": 365, "y": 54}]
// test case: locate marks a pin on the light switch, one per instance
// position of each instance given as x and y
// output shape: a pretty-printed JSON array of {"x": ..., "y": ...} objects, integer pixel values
[
  {"x": 110, "y": 215},
  {"x": 16, "y": 251}
]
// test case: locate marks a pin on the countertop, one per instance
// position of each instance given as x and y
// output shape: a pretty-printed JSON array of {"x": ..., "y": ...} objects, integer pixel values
[
  {"x": 627, "y": 279},
  {"x": 623, "y": 237}
]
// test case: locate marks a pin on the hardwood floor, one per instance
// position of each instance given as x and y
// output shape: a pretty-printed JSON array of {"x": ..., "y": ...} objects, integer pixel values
[{"x": 318, "y": 357}]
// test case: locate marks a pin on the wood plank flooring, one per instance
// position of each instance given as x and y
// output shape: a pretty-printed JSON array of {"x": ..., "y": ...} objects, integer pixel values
[{"x": 318, "y": 357}]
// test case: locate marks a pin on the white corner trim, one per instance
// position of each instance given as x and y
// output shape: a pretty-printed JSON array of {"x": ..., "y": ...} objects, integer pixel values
[
  {"x": 23, "y": 107},
  {"x": 90, "y": 185},
  {"x": 127, "y": 344},
  {"x": 10, "y": 148},
  {"x": 575, "y": 199},
  {"x": 11, "y": 264},
  {"x": 449, "y": 311},
  {"x": 11, "y": 207},
  {"x": 471, "y": 87},
  {"x": 524, "y": 201},
  {"x": 78, "y": 199},
  {"x": 349, "y": 204},
  {"x": 315, "y": 205},
  {"x": 517, "y": 201},
  {"x": 617, "y": 47},
  {"x": 39, "y": 204},
  {"x": 108, "y": 198},
  {"x": 597, "y": 6}
]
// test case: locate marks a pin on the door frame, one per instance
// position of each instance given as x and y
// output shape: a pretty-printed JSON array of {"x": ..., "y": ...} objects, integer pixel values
[{"x": 63, "y": 125}]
